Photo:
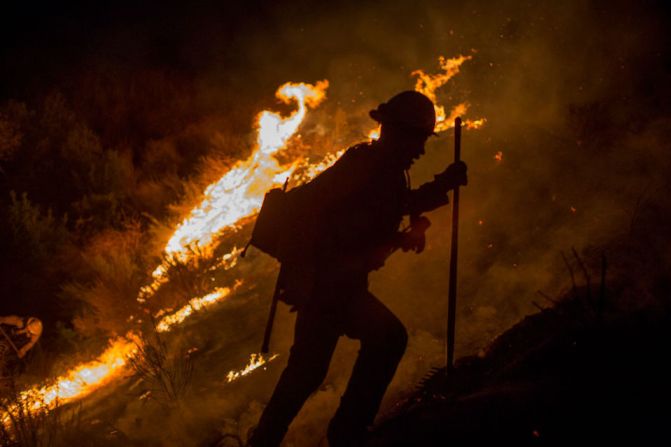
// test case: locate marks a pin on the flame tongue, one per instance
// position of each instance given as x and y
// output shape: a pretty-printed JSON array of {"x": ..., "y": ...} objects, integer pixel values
[
  {"x": 275, "y": 131},
  {"x": 255, "y": 361},
  {"x": 240, "y": 191},
  {"x": 83, "y": 379},
  {"x": 428, "y": 84},
  {"x": 236, "y": 195}
]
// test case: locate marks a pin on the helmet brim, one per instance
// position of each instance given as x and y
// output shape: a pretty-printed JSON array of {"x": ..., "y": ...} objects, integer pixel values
[{"x": 380, "y": 117}]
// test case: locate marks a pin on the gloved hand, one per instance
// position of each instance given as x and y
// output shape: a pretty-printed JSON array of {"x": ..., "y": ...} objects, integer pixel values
[
  {"x": 413, "y": 238},
  {"x": 453, "y": 176}
]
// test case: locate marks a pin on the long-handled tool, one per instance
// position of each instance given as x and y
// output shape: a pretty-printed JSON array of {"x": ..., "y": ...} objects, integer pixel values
[
  {"x": 11, "y": 343},
  {"x": 265, "y": 347},
  {"x": 452, "y": 291}
]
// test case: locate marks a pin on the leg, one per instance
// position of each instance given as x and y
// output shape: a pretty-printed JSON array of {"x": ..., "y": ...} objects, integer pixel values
[
  {"x": 383, "y": 341},
  {"x": 314, "y": 343}
]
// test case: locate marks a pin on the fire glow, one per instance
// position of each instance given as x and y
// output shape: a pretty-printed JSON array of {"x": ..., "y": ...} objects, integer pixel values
[
  {"x": 83, "y": 379},
  {"x": 427, "y": 84},
  {"x": 237, "y": 195},
  {"x": 194, "y": 305},
  {"x": 255, "y": 361},
  {"x": 240, "y": 191}
]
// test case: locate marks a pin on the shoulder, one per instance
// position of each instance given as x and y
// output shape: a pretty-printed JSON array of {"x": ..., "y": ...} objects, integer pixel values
[
  {"x": 348, "y": 173},
  {"x": 359, "y": 152},
  {"x": 358, "y": 159}
]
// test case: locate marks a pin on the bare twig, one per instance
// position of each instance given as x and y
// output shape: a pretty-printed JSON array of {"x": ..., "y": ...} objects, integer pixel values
[
  {"x": 585, "y": 273},
  {"x": 538, "y": 306},
  {"x": 570, "y": 271},
  {"x": 167, "y": 373},
  {"x": 545, "y": 295},
  {"x": 25, "y": 425}
]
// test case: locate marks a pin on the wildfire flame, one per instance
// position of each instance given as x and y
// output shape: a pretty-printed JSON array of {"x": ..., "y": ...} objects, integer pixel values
[
  {"x": 255, "y": 361},
  {"x": 194, "y": 305},
  {"x": 240, "y": 191},
  {"x": 83, "y": 379},
  {"x": 427, "y": 84},
  {"x": 238, "y": 194}
]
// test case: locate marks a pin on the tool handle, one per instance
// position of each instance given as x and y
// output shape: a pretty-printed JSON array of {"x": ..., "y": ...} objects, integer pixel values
[
  {"x": 457, "y": 139},
  {"x": 11, "y": 343},
  {"x": 265, "y": 346},
  {"x": 452, "y": 290}
]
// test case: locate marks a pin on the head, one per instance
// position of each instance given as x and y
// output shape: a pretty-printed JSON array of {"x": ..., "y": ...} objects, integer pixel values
[
  {"x": 408, "y": 120},
  {"x": 34, "y": 327}
]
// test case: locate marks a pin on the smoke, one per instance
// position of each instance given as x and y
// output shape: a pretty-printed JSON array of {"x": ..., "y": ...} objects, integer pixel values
[
  {"x": 576, "y": 100},
  {"x": 565, "y": 90}
]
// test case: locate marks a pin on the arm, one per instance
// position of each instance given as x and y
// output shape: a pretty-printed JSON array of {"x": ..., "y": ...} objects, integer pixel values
[
  {"x": 411, "y": 238},
  {"x": 12, "y": 320},
  {"x": 433, "y": 194},
  {"x": 24, "y": 350}
]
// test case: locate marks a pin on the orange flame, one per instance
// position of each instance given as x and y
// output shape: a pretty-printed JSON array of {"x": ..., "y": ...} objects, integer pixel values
[
  {"x": 236, "y": 195},
  {"x": 427, "y": 84},
  {"x": 194, "y": 305},
  {"x": 240, "y": 191},
  {"x": 83, "y": 379},
  {"x": 255, "y": 361},
  {"x": 475, "y": 124}
]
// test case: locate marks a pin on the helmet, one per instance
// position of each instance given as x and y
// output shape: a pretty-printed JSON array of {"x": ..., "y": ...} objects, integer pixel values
[
  {"x": 408, "y": 109},
  {"x": 34, "y": 326}
]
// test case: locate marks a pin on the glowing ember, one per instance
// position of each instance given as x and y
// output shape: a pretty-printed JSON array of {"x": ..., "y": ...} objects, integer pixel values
[
  {"x": 498, "y": 157},
  {"x": 255, "y": 361}
]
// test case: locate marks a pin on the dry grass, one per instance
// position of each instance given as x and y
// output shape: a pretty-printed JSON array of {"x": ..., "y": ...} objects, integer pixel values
[
  {"x": 24, "y": 427},
  {"x": 166, "y": 372}
]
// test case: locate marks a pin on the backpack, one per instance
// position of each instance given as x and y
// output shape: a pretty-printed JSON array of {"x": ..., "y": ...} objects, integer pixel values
[
  {"x": 285, "y": 227},
  {"x": 281, "y": 231},
  {"x": 271, "y": 222}
]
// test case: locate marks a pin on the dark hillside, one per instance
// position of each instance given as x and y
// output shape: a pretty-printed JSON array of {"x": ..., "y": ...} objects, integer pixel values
[{"x": 559, "y": 377}]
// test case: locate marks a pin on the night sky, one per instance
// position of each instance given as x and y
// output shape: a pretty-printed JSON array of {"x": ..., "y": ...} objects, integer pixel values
[{"x": 46, "y": 42}]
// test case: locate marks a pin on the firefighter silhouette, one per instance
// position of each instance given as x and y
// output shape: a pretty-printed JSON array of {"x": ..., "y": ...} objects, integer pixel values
[
  {"x": 354, "y": 210},
  {"x": 17, "y": 337}
]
